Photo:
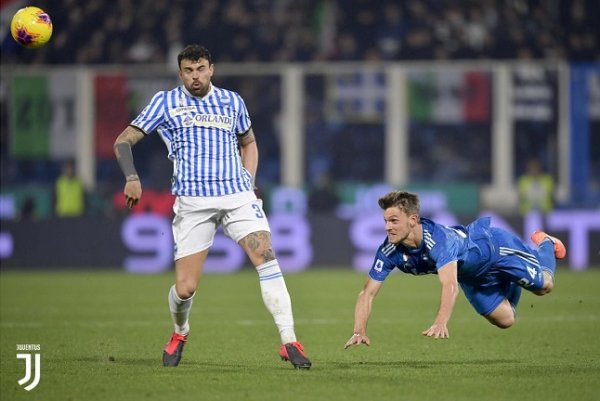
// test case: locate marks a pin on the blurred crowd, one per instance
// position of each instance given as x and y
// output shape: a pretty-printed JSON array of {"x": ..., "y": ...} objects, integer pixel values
[
  {"x": 99, "y": 32},
  {"x": 153, "y": 31}
]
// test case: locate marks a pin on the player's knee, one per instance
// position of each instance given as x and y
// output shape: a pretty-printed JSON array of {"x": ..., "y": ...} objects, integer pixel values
[
  {"x": 503, "y": 317},
  {"x": 187, "y": 295},
  {"x": 185, "y": 289},
  {"x": 543, "y": 291},
  {"x": 548, "y": 285},
  {"x": 505, "y": 322}
]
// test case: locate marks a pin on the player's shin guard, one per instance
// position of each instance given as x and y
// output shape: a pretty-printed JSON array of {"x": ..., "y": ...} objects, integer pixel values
[
  {"x": 547, "y": 257},
  {"x": 277, "y": 299},
  {"x": 180, "y": 311}
]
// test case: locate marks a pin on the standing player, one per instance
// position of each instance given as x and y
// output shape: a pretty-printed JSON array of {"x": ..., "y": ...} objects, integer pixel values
[
  {"x": 209, "y": 138},
  {"x": 491, "y": 265}
]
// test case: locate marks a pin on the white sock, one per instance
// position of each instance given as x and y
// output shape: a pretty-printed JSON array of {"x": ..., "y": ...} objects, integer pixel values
[
  {"x": 180, "y": 311},
  {"x": 277, "y": 299}
]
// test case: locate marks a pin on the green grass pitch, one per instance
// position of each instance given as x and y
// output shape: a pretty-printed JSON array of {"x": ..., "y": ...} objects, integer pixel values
[{"x": 101, "y": 336}]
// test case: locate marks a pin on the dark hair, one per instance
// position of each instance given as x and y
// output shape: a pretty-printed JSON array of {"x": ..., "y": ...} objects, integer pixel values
[
  {"x": 194, "y": 53},
  {"x": 405, "y": 201}
]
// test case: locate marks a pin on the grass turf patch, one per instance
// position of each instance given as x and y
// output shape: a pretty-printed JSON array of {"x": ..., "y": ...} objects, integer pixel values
[{"x": 102, "y": 333}]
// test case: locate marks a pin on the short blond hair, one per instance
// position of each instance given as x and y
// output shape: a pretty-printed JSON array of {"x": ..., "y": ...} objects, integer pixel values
[{"x": 407, "y": 202}]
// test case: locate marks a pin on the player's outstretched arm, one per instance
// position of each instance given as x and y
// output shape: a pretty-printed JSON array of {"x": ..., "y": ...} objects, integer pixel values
[
  {"x": 122, "y": 147},
  {"x": 362, "y": 312},
  {"x": 448, "y": 278}
]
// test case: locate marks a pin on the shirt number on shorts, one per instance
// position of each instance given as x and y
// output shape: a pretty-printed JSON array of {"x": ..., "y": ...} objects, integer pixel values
[
  {"x": 526, "y": 283},
  {"x": 259, "y": 213}
]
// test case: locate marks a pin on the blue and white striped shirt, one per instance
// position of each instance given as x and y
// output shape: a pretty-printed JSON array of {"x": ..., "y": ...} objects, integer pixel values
[{"x": 201, "y": 137}]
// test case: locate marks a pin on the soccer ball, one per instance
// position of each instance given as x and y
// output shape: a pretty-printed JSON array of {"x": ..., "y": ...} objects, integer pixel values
[{"x": 31, "y": 27}]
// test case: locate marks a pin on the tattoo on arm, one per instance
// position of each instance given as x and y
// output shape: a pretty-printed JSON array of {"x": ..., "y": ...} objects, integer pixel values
[{"x": 247, "y": 138}]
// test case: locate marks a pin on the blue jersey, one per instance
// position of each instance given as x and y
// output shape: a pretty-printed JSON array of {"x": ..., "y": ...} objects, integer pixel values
[
  {"x": 201, "y": 138},
  {"x": 493, "y": 264},
  {"x": 471, "y": 247}
]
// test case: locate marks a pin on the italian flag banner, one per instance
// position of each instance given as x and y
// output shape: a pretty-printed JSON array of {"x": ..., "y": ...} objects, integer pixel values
[
  {"x": 30, "y": 115},
  {"x": 43, "y": 121},
  {"x": 449, "y": 97}
]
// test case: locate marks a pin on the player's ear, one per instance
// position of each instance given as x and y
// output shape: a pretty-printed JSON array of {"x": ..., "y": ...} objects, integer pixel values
[{"x": 414, "y": 219}]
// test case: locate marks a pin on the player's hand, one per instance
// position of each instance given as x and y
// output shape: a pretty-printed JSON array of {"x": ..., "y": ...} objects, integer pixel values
[
  {"x": 133, "y": 193},
  {"x": 437, "y": 330},
  {"x": 357, "y": 339}
]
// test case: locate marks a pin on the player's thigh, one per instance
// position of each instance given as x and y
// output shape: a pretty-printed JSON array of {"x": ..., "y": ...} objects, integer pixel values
[
  {"x": 194, "y": 225},
  {"x": 491, "y": 303},
  {"x": 246, "y": 219},
  {"x": 485, "y": 300},
  {"x": 248, "y": 226}
]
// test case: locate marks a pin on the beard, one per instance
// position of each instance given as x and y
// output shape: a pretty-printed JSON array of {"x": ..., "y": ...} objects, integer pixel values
[{"x": 198, "y": 89}]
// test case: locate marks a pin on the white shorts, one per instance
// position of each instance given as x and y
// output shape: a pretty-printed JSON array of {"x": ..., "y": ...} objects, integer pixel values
[{"x": 197, "y": 219}]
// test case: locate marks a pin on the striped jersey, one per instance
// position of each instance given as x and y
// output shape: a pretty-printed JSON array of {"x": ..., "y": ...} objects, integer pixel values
[
  {"x": 472, "y": 247},
  {"x": 201, "y": 138}
]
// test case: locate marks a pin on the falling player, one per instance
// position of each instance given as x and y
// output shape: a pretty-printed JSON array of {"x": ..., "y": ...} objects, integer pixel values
[{"x": 490, "y": 264}]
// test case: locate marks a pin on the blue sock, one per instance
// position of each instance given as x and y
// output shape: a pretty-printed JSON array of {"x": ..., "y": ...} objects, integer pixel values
[{"x": 546, "y": 256}]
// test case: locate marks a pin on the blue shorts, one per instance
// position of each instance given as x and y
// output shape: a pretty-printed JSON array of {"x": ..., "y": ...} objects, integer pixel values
[{"x": 512, "y": 262}]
